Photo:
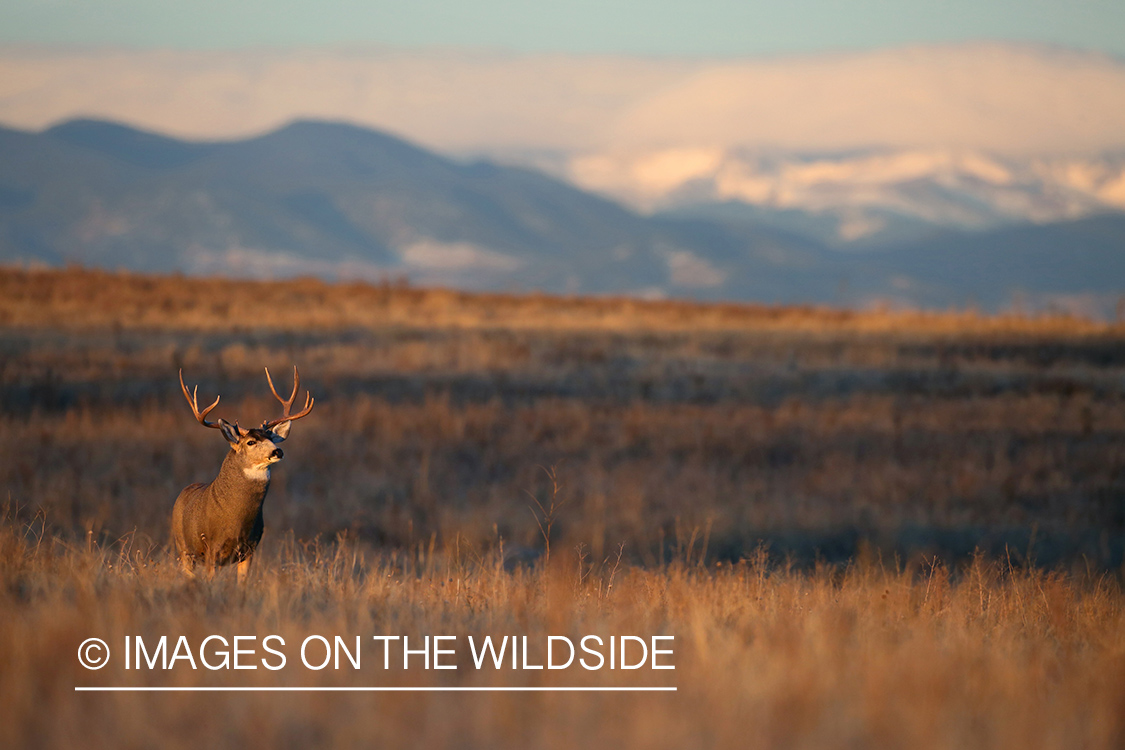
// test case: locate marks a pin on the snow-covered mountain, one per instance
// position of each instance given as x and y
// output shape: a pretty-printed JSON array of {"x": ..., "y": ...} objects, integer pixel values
[{"x": 858, "y": 196}]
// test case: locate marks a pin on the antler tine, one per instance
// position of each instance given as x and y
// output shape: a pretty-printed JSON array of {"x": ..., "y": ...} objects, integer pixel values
[
  {"x": 192, "y": 399},
  {"x": 287, "y": 404}
]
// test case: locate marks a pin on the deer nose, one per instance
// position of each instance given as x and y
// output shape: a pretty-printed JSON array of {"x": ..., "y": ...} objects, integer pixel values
[{"x": 277, "y": 453}]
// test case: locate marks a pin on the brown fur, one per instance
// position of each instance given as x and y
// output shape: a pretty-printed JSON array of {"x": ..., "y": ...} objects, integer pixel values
[{"x": 220, "y": 522}]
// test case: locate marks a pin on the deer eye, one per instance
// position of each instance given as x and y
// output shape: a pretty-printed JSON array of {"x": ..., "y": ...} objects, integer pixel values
[{"x": 251, "y": 442}]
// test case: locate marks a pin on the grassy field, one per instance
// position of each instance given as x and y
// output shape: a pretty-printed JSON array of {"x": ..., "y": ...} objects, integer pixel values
[{"x": 862, "y": 529}]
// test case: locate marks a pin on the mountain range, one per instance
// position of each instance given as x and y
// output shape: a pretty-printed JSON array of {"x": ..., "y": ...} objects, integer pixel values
[
  {"x": 862, "y": 197},
  {"x": 343, "y": 201}
]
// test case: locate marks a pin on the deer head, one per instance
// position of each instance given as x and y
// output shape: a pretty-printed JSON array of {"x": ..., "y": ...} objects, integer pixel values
[{"x": 254, "y": 446}]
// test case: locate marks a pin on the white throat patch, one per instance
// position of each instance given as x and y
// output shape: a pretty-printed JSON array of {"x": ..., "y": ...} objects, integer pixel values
[{"x": 257, "y": 473}]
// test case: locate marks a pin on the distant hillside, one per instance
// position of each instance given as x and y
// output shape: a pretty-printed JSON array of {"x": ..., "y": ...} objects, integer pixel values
[
  {"x": 1076, "y": 266},
  {"x": 339, "y": 201}
]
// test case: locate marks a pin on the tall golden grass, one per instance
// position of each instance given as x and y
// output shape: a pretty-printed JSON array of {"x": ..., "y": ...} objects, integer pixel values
[
  {"x": 867, "y": 655},
  {"x": 863, "y": 529}
]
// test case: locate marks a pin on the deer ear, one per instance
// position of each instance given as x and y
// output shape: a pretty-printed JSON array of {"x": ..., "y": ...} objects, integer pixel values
[
  {"x": 281, "y": 431},
  {"x": 230, "y": 431}
]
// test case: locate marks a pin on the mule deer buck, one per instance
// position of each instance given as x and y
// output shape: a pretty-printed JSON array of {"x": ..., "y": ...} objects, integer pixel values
[{"x": 220, "y": 522}]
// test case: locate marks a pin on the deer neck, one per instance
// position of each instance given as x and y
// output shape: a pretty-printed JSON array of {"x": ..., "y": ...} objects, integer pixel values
[{"x": 240, "y": 484}]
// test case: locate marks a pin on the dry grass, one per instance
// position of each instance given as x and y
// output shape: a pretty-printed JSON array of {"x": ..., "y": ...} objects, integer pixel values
[
  {"x": 872, "y": 454},
  {"x": 862, "y": 656},
  {"x": 89, "y": 298}
]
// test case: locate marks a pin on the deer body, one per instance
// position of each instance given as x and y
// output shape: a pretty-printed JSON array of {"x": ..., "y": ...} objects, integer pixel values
[
  {"x": 222, "y": 518},
  {"x": 220, "y": 522}
]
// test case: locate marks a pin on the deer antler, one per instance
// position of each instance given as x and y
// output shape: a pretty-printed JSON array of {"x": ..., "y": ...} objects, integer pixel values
[
  {"x": 287, "y": 404},
  {"x": 201, "y": 416}
]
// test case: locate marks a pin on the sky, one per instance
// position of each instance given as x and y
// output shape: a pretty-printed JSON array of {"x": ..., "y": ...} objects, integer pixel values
[{"x": 700, "y": 28}]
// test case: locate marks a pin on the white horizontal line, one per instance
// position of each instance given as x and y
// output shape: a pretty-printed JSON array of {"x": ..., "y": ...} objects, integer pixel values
[{"x": 374, "y": 689}]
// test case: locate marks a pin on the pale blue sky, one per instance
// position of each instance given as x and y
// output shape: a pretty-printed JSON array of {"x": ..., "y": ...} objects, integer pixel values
[{"x": 651, "y": 27}]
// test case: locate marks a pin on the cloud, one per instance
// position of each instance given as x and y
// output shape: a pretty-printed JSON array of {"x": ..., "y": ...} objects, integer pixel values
[
  {"x": 1003, "y": 98},
  {"x": 431, "y": 255},
  {"x": 257, "y": 263},
  {"x": 688, "y": 270}
]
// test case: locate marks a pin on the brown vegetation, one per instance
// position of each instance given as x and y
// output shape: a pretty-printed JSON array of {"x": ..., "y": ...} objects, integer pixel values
[
  {"x": 864, "y": 656},
  {"x": 88, "y": 299},
  {"x": 911, "y": 477}
]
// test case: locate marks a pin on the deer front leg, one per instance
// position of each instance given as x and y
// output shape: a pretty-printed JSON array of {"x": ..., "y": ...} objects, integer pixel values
[
  {"x": 210, "y": 561},
  {"x": 244, "y": 568},
  {"x": 187, "y": 562}
]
